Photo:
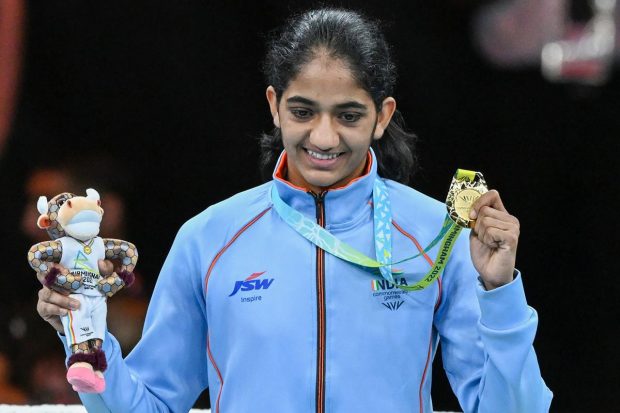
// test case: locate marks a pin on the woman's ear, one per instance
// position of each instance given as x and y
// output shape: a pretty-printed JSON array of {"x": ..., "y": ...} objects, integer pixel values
[
  {"x": 272, "y": 98},
  {"x": 384, "y": 116}
]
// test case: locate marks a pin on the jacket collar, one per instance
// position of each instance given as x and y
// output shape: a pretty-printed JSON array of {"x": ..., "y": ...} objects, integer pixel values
[{"x": 342, "y": 205}]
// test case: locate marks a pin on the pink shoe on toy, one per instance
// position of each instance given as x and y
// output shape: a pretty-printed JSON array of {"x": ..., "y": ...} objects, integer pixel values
[{"x": 84, "y": 379}]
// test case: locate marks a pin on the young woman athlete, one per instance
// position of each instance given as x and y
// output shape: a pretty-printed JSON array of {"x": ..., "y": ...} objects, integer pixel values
[{"x": 270, "y": 322}]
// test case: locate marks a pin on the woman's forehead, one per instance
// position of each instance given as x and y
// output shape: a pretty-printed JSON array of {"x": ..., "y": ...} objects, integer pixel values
[{"x": 328, "y": 80}]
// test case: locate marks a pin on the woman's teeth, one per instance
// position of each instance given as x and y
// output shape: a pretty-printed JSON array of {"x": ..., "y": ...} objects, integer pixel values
[{"x": 322, "y": 156}]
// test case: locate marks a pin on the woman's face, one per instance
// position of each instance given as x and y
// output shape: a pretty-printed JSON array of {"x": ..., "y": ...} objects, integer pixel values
[{"x": 328, "y": 123}]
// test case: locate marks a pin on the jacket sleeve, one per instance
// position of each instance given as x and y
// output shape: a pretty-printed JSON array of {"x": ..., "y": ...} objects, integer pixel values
[
  {"x": 487, "y": 342},
  {"x": 167, "y": 369}
]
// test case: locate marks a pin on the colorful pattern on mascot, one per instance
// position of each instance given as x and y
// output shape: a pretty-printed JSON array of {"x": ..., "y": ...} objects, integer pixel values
[{"x": 69, "y": 263}]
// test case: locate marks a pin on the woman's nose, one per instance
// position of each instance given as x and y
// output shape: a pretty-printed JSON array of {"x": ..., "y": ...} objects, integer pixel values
[{"x": 324, "y": 135}]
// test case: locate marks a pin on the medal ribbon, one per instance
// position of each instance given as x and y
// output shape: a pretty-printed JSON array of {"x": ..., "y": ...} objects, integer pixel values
[{"x": 382, "y": 217}]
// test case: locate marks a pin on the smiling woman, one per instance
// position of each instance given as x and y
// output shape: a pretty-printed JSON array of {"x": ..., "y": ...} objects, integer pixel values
[{"x": 278, "y": 280}]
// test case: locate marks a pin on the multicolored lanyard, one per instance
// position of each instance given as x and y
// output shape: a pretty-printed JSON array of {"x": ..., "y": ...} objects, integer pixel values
[{"x": 382, "y": 219}]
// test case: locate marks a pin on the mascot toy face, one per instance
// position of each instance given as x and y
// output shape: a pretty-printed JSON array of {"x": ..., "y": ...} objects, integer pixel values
[{"x": 67, "y": 214}]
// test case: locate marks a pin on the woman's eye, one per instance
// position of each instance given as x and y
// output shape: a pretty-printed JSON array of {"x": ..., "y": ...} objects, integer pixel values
[
  {"x": 60, "y": 202},
  {"x": 350, "y": 117},
  {"x": 301, "y": 113}
]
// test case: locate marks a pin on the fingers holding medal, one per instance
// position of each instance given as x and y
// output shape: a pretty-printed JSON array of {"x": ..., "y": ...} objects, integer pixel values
[
  {"x": 492, "y": 224},
  {"x": 495, "y": 233}
]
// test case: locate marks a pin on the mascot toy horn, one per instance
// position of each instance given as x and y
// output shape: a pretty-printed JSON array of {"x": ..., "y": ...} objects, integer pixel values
[{"x": 69, "y": 263}]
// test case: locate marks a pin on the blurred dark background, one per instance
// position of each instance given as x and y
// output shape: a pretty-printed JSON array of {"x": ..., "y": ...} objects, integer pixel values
[{"x": 161, "y": 104}]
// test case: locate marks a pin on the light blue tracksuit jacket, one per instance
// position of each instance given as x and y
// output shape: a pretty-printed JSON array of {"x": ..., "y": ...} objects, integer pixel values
[{"x": 247, "y": 307}]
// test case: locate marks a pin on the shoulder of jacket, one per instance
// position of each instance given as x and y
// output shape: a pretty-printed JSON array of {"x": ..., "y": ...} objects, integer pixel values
[
  {"x": 230, "y": 214},
  {"x": 405, "y": 198},
  {"x": 416, "y": 213}
]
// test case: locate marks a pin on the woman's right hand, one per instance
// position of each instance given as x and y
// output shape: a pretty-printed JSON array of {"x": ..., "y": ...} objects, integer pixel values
[{"x": 53, "y": 304}]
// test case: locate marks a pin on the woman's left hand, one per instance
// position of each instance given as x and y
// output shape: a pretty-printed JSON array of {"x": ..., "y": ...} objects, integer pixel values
[{"x": 493, "y": 240}]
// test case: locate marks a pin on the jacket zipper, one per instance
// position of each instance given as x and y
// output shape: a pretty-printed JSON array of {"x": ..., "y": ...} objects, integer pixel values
[{"x": 320, "y": 293}]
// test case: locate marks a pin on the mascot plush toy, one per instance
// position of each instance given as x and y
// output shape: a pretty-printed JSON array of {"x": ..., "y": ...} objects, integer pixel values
[{"x": 70, "y": 263}]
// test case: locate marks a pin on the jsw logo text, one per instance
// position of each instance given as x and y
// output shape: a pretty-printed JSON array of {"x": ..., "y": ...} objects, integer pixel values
[{"x": 251, "y": 283}]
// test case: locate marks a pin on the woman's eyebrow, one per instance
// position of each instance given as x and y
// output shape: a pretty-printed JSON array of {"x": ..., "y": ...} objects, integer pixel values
[
  {"x": 352, "y": 104},
  {"x": 302, "y": 100}
]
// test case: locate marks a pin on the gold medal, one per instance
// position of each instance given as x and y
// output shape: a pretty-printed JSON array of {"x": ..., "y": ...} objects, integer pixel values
[
  {"x": 87, "y": 248},
  {"x": 466, "y": 188}
]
